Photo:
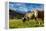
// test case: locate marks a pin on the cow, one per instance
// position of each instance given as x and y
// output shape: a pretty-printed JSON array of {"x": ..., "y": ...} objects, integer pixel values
[{"x": 35, "y": 14}]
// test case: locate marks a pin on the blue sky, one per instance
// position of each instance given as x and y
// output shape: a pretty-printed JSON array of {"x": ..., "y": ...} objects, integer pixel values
[{"x": 24, "y": 7}]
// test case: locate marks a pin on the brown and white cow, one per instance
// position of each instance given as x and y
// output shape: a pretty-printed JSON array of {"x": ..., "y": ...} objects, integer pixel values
[{"x": 35, "y": 14}]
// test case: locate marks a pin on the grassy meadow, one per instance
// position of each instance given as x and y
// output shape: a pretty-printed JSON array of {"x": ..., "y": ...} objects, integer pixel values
[{"x": 18, "y": 23}]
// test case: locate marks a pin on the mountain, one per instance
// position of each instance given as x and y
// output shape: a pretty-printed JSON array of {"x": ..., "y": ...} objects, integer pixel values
[{"x": 14, "y": 14}]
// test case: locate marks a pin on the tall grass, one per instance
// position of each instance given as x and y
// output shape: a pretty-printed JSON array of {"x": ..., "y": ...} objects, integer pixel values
[{"x": 18, "y": 23}]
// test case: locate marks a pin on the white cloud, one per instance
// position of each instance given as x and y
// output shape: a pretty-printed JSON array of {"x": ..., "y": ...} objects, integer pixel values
[{"x": 23, "y": 9}]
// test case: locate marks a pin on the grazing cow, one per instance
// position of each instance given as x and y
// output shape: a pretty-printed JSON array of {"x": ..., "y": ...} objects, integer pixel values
[{"x": 35, "y": 14}]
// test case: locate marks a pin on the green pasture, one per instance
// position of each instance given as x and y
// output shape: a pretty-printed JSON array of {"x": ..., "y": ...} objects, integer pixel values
[{"x": 18, "y": 23}]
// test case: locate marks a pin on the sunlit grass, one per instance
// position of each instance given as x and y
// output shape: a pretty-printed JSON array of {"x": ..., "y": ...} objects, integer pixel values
[{"x": 18, "y": 23}]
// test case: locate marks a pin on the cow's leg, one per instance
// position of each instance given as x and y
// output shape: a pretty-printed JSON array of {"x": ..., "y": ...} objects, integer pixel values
[
  {"x": 37, "y": 21},
  {"x": 35, "y": 18},
  {"x": 28, "y": 18}
]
